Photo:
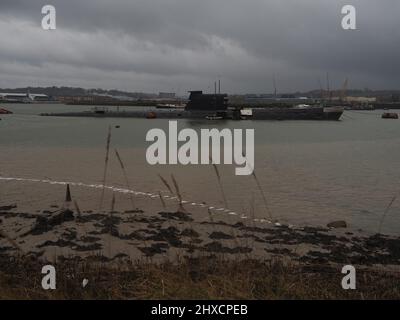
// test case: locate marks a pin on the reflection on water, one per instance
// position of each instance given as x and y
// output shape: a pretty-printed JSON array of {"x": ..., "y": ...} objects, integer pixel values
[{"x": 311, "y": 172}]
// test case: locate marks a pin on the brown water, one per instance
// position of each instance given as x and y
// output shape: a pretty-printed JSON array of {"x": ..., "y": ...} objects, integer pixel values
[{"x": 311, "y": 172}]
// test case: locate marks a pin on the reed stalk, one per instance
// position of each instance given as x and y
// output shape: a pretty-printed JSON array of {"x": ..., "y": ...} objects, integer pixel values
[
  {"x": 178, "y": 193},
  {"x": 386, "y": 212},
  {"x": 165, "y": 182},
  {"x": 105, "y": 166},
  {"x": 78, "y": 210},
  {"x": 262, "y": 194},
  {"x": 162, "y": 200},
  {"x": 121, "y": 163},
  {"x": 111, "y": 224},
  {"x": 219, "y": 182},
  {"x": 260, "y": 189}
]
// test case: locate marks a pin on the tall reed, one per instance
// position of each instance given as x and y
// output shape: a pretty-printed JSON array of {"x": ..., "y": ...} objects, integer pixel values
[
  {"x": 178, "y": 193},
  {"x": 219, "y": 182},
  {"x": 162, "y": 200},
  {"x": 260, "y": 189},
  {"x": 165, "y": 182},
  {"x": 105, "y": 166},
  {"x": 387, "y": 211},
  {"x": 112, "y": 204},
  {"x": 111, "y": 224},
  {"x": 78, "y": 210},
  {"x": 121, "y": 163},
  {"x": 262, "y": 194}
]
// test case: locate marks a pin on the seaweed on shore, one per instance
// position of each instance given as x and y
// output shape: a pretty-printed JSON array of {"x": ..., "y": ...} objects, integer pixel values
[
  {"x": 46, "y": 224},
  {"x": 179, "y": 216},
  {"x": 8, "y": 208}
]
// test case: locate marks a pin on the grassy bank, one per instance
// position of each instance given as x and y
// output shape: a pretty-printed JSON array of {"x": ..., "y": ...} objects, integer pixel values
[{"x": 200, "y": 278}]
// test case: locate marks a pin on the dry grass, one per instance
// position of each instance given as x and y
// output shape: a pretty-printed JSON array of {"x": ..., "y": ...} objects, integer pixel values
[
  {"x": 177, "y": 192},
  {"x": 203, "y": 278}
]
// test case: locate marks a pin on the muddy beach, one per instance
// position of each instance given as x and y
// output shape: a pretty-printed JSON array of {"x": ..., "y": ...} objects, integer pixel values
[{"x": 136, "y": 235}]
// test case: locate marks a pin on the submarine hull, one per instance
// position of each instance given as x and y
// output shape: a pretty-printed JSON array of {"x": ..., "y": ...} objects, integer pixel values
[
  {"x": 321, "y": 113},
  {"x": 257, "y": 114}
]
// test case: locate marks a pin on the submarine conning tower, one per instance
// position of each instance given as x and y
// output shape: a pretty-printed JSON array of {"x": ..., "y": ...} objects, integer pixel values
[{"x": 208, "y": 102}]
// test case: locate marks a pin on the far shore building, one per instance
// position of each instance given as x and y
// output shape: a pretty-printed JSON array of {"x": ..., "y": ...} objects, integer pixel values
[
  {"x": 14, "y": 97},
  {"x": 39, "y": 97},
  {"x": 167, "y": 95},
  {"x": 23, "y": 97},
  {"x": 360, "y": 99},
  {"x": 85, "y": 99}
]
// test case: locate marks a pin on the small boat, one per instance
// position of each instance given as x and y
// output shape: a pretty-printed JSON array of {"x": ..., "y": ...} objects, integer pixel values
[
  {"x": 151, "y": 115},
  {"x": 390, "y": 115},
  {"x": 99, "y": 110},
  {"x": 4, "y": 111}
]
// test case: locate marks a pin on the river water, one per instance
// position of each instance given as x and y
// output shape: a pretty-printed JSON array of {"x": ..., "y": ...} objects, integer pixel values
[{"x": 311, "y": 172}]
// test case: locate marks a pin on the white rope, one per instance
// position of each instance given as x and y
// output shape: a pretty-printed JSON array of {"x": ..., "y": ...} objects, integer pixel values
[{"x": 139, "y": 193}]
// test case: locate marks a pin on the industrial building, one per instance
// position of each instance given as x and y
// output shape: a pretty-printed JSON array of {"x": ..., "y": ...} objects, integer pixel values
[{"x": 23, "y": 97}]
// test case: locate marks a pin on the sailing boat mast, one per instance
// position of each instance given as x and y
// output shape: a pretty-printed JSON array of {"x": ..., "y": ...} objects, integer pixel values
[
  {"x": 274, "y": 83},
  {"x": 328, "y": 86}
]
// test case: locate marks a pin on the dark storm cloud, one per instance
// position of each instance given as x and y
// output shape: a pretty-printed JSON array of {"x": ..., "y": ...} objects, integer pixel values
[{"x": 176, "y": 45}]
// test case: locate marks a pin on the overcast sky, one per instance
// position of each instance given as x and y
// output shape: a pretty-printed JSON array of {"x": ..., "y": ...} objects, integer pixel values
[{"x": 178, "y": 45}]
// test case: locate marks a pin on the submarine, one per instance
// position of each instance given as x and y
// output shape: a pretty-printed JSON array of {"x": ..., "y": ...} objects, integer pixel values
[{"x": 215, "y": 107}]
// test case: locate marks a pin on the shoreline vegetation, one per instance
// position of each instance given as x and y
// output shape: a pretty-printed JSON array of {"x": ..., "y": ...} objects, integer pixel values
[
  {"x": 192, "y": 278},
  {"x": 170, "y": 255}
]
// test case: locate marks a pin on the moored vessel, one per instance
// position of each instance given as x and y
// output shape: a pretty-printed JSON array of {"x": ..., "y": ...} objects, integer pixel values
[
  {"x": 390, "y": 115},
  {"x": 215, "y": 107},
  {"x": 5, "y": 111}
]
